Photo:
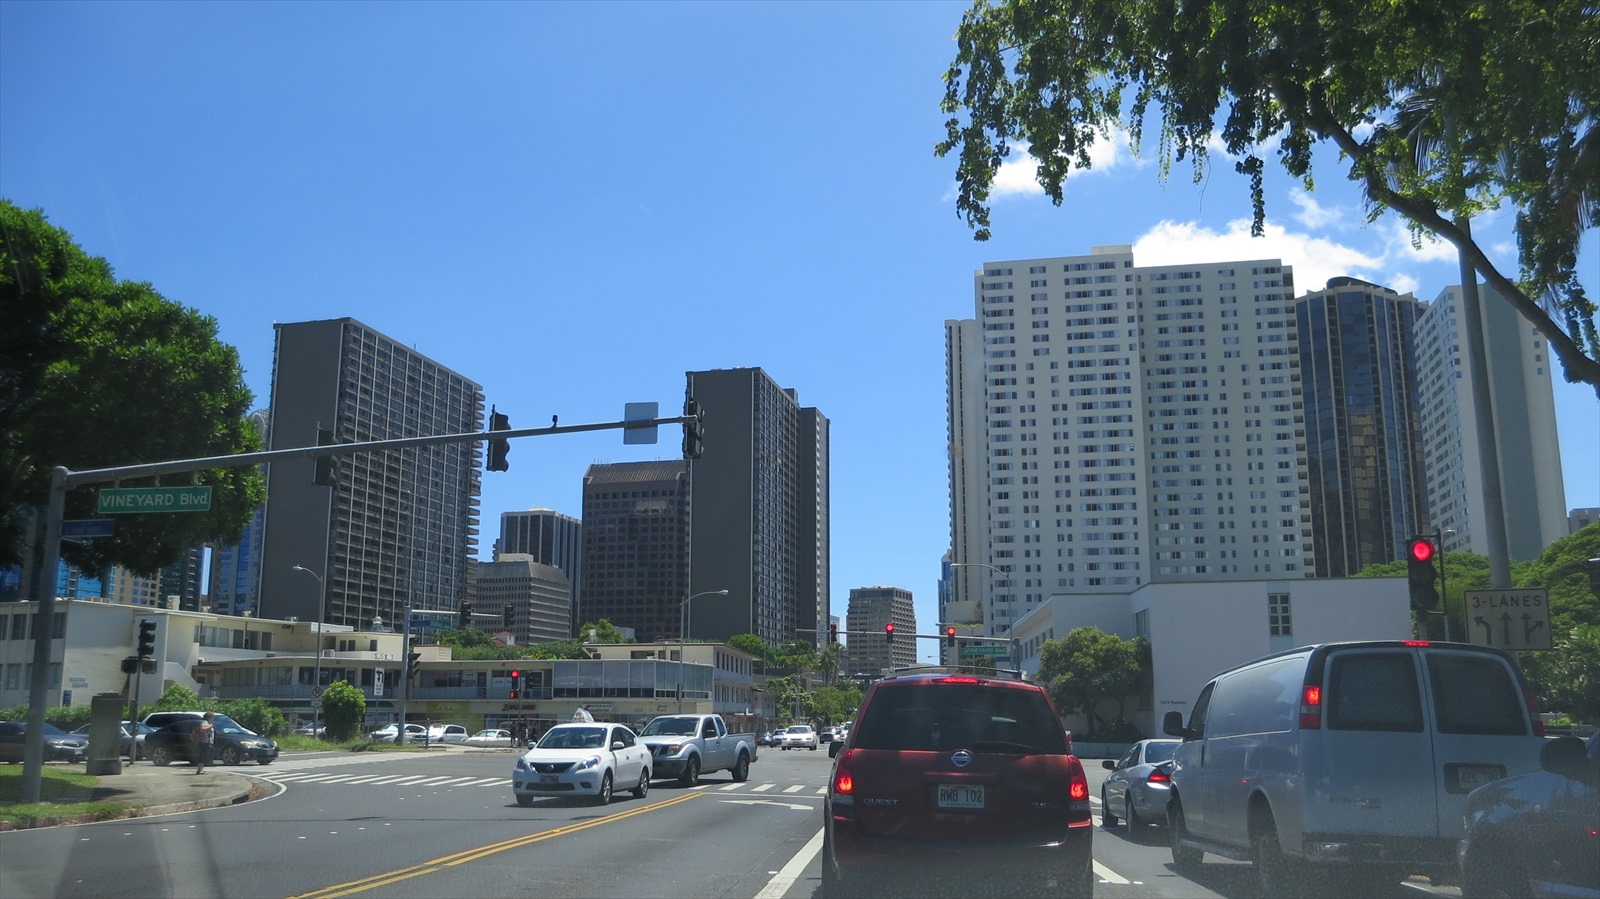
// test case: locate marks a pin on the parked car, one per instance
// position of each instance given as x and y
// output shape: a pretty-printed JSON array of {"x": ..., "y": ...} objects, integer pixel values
[
  {"x": 583, "y": 760},
  {"x": 447, "y": 733},
  {"x": 958, "y": 784},
  {"x": 1346, "y": 765},
  {"x": 58, "y": 744},
  {"x": 1138, "y": 787},
  {"x": 493, "y": 737},
  {"x": 233, "y": 743},
  {"x": 311, "y": 730},
  {"x": 130, "y": 736},
  {"x": 414, "y": 733},
  {"x": 1534, "y": 835},
  {"x": 798, "y": 736}
]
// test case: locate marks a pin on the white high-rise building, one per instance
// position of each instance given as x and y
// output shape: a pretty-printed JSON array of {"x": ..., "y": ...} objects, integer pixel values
[
  {"x": 1113, "y": 425},
  {"x": 1525, "y": 425}
]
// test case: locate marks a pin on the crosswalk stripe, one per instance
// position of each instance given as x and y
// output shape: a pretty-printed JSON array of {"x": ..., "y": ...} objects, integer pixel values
[
  {"x": 763, "y": 788},
  {"x": 454, "y": 782},
  {"x": 390, "y": 779},
  {"x": 729, "y": 787},
  {"x": 794, "y": 789}
]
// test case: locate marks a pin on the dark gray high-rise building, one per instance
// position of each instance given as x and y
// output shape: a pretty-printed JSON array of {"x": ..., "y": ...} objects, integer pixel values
[
  {"x": 870, "y": 651},
  {"x": 398, "y": 527},
  {"x": 1363, "y": 446},
  {"x": 635, "y": 536},
  {"x": 548, "y": 536},
  {"x": 760, "y": 522}
]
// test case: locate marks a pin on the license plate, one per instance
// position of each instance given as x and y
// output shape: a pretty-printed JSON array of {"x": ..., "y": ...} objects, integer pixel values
[
  {"x": 961, "y": 795},
  {"x": 1466, "y": 778},
  {"x": 547, "y": 778}
]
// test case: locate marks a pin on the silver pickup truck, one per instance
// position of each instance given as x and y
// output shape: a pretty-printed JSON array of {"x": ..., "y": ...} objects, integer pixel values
[{"x": 687, "y": 746}]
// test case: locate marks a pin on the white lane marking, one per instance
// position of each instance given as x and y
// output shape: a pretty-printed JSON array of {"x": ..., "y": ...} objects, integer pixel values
[
  {"x": 794, "y": 789},
  {"x": 788, "y": 805},
  {"x": 729, "y": 787},
  {"x": 390, "y": 779},
  {"x": 763, "y": 788},
  {"x": 786, "y": 876},
  {"x": 1108, "y": 875},
  {"x": 455, "y": 781}
]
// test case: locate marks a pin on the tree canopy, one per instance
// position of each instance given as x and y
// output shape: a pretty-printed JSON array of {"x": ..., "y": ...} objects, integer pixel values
[
  {"x": 1089, "y": 667},
  {"x": 1439, "y": 117},
  {"x": 99, "y": 373}
]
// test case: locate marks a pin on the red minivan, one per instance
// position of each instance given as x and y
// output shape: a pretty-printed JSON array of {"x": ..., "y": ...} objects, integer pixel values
[{"x": 954, "y": 784}]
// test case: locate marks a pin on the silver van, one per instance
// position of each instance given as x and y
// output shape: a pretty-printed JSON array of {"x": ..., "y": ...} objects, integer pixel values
[{"x": 1346, "y": 762}]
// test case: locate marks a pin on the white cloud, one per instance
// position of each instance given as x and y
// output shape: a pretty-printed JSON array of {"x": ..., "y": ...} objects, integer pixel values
[
  {"x": 1315, "y": 259},
  {"x": 1019, "y": 174}
]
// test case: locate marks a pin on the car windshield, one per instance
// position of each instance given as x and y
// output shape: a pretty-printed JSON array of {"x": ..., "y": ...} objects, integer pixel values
[
  {"x": 674, "y": 726},
  {"x": 800, "y": 729},
  {"x": 1154, "y": 753},
  {"x": 947, "y": 716},
  {"x": 574, "y": 738},
  {"x": 226, "y": 725}
]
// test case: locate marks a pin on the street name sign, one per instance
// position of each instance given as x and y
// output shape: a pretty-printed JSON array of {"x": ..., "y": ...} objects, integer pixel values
[
  {"x": 1509, "y": 619},
  {"x": 134, "y": 500},
  {"x": 992, "y": 649},
  {"x": 78, "y": 528}
]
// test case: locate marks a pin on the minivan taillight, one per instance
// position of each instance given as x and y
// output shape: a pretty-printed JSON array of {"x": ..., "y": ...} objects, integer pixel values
[
  {"x": 1078, "y": 795},
  {"x": 1311, "y": 707},
  {"x": 844, "y": 783},
  {"x": 1533, "y": 713}
]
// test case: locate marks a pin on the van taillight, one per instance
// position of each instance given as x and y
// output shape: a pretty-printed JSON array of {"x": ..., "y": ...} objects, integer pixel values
[
  {"x": 844, "y": 785},
  {"x": 1078, "y": 795},
  {"x": 1311, "y": 707},
  {"x": 1533, "y": 713}
]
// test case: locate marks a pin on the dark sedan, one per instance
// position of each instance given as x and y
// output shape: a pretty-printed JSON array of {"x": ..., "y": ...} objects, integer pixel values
[
  {"x": 234, "y": 744},
  {"x": 58, "y": 744},
  {"x": 1537, "y": 834},
  {"x": 130, "y": 737}
]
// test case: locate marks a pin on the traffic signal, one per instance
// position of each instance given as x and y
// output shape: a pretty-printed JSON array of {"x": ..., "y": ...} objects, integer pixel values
[
  {"x": 1422, "y": 572},
  {"x": 412, "y": 658},
  {"x": 499, "y": 447},
  {"x": 147, "y": 637},
  {"x": 833, "y": 632},
  {"x": 888, "y": 632},
  {"x": 950, "y": 635},
  {"x": 516, "y": 684},
  {"x": 324, "y": 476},
  {"x": 464, "y": 616},
  {"x": 694, "y": 430},
  {"x": 507, "y": 616}
]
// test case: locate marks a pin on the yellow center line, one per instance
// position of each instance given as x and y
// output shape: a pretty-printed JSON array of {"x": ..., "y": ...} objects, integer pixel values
[{"x": 474, "y": 854}]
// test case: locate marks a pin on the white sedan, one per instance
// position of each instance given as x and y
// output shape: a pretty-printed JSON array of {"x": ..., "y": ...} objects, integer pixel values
[
  {"x": 583, "y": 760},
  {"x": 798, "y": 736},
  {"x": 492, "y": 736}
]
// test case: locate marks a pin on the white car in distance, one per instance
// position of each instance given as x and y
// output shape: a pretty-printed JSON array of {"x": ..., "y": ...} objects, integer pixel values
[
  {"x": 447, "y": 733},
  {"x": 798, "y": 736},
  {"x": 492, "y": 737},
  {"x": 583, "y": 760}
]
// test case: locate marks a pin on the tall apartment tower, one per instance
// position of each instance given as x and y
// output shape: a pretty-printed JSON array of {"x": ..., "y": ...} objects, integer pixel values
[
  {"x": 1123, "y": 421},
  {"x": 760, "y": 524},
  {"x": 1363, "y": 437},
  {"x": 870, "y": 651},
  {"x": 550, "y": 537},
  {"x": 398, "y": 527},
  {"x": 635, "y": 548},
  {"x": 235, "y": 580},
  {"x": 1525, "y": 425}
]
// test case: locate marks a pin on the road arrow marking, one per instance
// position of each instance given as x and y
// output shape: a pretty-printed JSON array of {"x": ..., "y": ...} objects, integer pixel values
[{"x": 803, "y": 808}]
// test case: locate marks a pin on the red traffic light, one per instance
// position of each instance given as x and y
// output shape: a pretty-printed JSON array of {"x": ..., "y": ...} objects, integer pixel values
[
  {"x": 1421, "y": 550},
  {"x": 950, "y": 632},
  {"x": 516, "y": 674},
  {"x": 888, "y": 628}
]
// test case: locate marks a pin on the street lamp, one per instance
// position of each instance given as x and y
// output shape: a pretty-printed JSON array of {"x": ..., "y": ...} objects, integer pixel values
[
  {"x": 322, "y": 611},
  {"x": 683, "y": 630}
]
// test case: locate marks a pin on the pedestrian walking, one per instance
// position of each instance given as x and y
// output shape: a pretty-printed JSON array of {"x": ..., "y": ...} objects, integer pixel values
[{"x": 204, "y": 738}]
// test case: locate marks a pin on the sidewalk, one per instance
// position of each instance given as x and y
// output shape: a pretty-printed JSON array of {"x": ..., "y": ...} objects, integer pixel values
[{"x": 150, "y": 790}]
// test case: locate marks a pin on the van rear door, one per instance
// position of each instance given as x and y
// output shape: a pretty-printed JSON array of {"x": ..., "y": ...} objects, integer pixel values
[
  {"x": 1374, "y": 757},
  {"x": 1483, "y": 729}
]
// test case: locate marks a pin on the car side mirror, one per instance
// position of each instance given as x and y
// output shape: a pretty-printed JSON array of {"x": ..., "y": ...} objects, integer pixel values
[
  {"x": 1172, "y": 725},
  {"x": 615, "y": 745},
  {"x": 1109, "y": 765},
  {"x": 1566, "y": 756},
  {"x": 833, "y": 749}
]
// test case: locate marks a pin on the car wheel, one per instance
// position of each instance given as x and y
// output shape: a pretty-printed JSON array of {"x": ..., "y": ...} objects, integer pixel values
[
  {"x": 1185, "y": 858},
  {"x": 1107, "y": 817},
  {"x": 1277, "y": 875},
  {"x": 161, "y": 756},
  {"x": 524, "y": 801},
  {"x": 741, "y": 768},
  {"x": 691, "y": 772},
  {"x": 230, "y": 755},
  {"x": 604, "y": 796},
  {"x": 812, "y": 747},
  {"x": 643, "y": 789},
  {"x": 1131, "y": 815},
  {"x": 263, "y": 761}
]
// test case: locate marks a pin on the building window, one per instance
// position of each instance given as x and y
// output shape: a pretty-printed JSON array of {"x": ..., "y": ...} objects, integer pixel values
[{"x": 1278, "y": 624}]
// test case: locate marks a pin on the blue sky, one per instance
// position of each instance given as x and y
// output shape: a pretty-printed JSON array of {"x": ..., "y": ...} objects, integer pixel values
[{"x": 574, "y": 204}]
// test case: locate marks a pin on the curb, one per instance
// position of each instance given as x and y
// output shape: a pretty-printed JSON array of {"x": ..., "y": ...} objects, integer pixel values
[{"x": 252, "y": 790}]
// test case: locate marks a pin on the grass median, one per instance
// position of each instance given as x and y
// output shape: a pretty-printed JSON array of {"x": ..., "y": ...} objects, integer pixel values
[{"x": 63, "y": 793}]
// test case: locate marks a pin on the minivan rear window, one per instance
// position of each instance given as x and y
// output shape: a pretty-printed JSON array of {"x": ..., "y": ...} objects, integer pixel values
[
  {"x": 946, "y": 717},
  {"x": 1474, "y": 693},
  {"x": 1373, "y": 691}
]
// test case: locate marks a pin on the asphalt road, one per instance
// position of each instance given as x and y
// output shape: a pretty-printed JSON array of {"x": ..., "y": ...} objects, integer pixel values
[{"x": 393, "y": 826}]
